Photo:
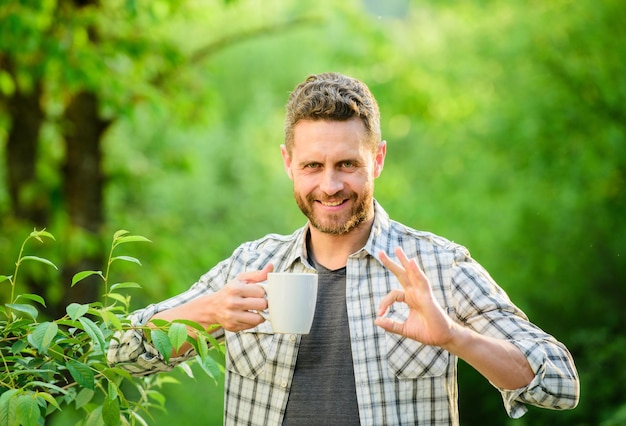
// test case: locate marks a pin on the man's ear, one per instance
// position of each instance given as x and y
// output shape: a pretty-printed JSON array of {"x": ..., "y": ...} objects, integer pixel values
[
  {"x": 286, "y": 160},
  {"x": 380, "y": 158}
]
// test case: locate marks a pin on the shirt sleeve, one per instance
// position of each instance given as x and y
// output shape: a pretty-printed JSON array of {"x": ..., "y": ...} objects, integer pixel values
[
  {"x": 130, "y": 350},
  {"x": 555, "y": 385},
  {"x": 483, "y": 306}
]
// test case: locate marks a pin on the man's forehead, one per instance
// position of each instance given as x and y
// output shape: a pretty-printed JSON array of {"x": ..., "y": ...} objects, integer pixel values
[
  {"x": 326, "y": 137},
  {"x": 320, "y": 130}
]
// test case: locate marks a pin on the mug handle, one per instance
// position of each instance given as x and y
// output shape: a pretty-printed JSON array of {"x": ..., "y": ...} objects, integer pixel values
[{"x": 265, "y": 314}]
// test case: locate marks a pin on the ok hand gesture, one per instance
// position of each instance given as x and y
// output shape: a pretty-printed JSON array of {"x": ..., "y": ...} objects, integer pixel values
[{"x": 427, "y": 322}]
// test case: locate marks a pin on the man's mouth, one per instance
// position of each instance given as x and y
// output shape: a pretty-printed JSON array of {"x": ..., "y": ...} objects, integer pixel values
[{"x": 332, "y": 203}]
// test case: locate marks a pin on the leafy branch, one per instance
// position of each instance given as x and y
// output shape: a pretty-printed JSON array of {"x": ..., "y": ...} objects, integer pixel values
[
  {"x": 51, "y": 365},
  {"x": 27, "y": 309}
]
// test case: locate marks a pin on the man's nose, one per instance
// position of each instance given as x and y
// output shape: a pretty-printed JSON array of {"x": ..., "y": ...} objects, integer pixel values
[{"x": 331, "y": 182}]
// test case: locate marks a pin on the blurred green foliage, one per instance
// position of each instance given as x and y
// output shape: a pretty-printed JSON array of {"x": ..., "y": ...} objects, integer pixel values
[{"x": 506, "y": 130}]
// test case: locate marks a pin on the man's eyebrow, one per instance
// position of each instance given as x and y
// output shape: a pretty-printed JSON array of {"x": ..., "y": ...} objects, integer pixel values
[{"x": 350, "y": 160}]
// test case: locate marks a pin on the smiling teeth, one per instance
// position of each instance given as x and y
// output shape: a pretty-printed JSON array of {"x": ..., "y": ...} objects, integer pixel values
[{"x": 331, "y": 203}]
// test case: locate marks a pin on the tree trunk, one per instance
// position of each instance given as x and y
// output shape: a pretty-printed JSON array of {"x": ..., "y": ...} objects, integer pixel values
[
  {"x": 83, "y": 191},
  {"x": 26, "y": 118},
  {"x": 82, "y": 172}
]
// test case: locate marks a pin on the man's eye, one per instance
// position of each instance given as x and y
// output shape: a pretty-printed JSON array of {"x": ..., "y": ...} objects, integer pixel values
[
  {"x": 348, "y": 164},
  {"x": 312, "y": 166}
]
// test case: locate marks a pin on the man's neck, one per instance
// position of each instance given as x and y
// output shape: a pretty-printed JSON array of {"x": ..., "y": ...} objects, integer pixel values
[{"x": 332, "y": 251}]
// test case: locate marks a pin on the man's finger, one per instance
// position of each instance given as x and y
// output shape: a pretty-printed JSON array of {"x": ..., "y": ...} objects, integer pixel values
[
  {"x": 390, "y": 325},
  {"x": 395, "y": 268},
  {"x": 392, "y": 297},
  {"x": 256, "y": 276},
  {"x": 411, "y": 268},
  {"x": 409, "y": 265}
]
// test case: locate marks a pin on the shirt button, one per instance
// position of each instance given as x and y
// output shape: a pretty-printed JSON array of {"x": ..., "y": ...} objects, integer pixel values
[
  {"x": 292, "y": 337},
  {"x": 283, "y": 384}
]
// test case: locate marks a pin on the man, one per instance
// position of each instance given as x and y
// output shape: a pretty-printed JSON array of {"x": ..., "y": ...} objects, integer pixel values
[{"x": 387, "y": 333}]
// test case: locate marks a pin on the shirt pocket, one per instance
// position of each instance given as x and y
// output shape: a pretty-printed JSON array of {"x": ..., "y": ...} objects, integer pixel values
[
  {"x": 248, "y": 351},
  {"x": 409, "y": 359}
]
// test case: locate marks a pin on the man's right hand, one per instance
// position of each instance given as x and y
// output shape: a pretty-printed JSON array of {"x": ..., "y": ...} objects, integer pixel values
[{"x": 232, "y": 307}]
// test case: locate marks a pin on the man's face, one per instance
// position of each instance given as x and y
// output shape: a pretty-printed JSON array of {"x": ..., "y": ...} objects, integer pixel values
[{"x": 333, "y": 172}]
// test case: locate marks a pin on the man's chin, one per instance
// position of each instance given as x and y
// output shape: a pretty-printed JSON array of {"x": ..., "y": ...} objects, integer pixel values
[
  {"x": 327, "y": 228},
  {"x": 334, "y": 227}
]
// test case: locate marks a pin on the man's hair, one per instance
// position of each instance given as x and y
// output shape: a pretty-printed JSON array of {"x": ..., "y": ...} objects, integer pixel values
[{"x": 334, "y": 97}]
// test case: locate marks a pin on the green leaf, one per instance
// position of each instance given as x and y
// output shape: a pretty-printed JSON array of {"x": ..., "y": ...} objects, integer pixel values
[
  {"x": 35, "y": 371},
  {"x": 18, "y": 346},
  {"x": 27, "y": 410},
  {"x": 189, "y": 323},
  {"x": 95, "y": 417},
  {"x": 42, "y": 336},
  {"x": 186, "y": 369},
  {"x": 28, "y": 310},
  {"x": 40, "y": 260},
  {"x": 84, "y": 274},
  {"x": 5, "y": 277},
  {"x": 212, "y": 340},
  {"x": 164, "y": 379},
  {"x": 37, "y": 383},
  {"x": 178, "y": 335},
  {"x": 76, "y": 310},
  {"x": 201, "y": 347},
  {"x": 112, "y": 319},
  {"x": 34, "y": 297},
  {"x": 131, "y": 239},
  {"x": 80, "y": 372},
  {"x": 210, "y": 367},
  {"x": 49, "y": 399},
  {"x": 127, "y": 259},
  {"x": 119, "y": 233},
  {"x": 125, "y": 285},
  {"x": 111, "y": 412},
  {"x": 162, "y": 343},
  {"x": 113, "y": 390},
  {"x": 158, "y": 397},
  {"x": 159, "y": 322},
  {"x": 112, "y": 372},
  {"x": 84, "y": 396},
  {"x": 139, "y": 418},
  {"x": 8, "y": 407},
  {"x": 42, "y": 233},
  {"x": 122, "y": 299},
  {"x": 92, "y": 330}
]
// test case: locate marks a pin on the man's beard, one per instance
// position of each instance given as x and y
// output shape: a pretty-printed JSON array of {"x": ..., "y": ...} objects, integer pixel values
[{"x": 335, "y": 224}]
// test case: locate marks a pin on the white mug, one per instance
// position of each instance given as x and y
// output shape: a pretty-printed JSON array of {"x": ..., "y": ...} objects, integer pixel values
[{"x": 291, "y": 299}]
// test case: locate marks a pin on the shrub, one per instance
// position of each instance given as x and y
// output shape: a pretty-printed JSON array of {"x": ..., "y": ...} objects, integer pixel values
[{"x": 51, "y": 365}]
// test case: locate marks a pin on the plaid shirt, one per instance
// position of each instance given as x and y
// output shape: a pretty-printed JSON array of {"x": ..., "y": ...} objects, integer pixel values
[{"x": 398, "y": 380}]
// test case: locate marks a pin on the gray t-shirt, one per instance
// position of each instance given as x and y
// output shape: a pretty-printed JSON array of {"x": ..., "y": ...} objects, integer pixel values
[{"x": 323, "y": 390}]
